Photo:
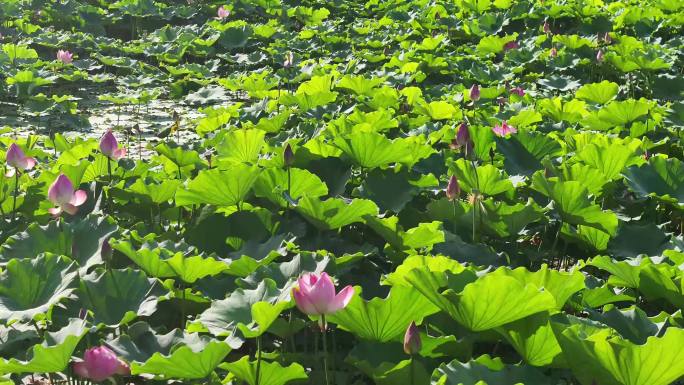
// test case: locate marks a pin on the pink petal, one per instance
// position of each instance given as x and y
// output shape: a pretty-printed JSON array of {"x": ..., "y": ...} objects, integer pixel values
[
  {"x": 29, "y": 163},
  {"x": 78, "y": 198},
  {"x": 61, "y": 190},
  {"x": 55, "y": 211},
  {"x": 10, "y": 172},
  {"x": 119, "y": 153},
  {"x": 322, "y": 293},
  {"x": 123, "y": 369},
  {"x": 81, "y": 369},
  {"x": 342, "y": 299},
  {"x": 303, "y": 303},
  {"x": 69, "y": 208}
]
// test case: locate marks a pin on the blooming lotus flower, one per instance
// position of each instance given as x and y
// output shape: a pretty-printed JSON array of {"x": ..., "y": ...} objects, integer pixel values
[
  {"x": 511, "y": 45},
  {"x": 504, "y": 129},
  {"x": 475, "y": 93},
  {"x": 546, "y": 27},
  {"x": 453, "y": 189},
  {"x": 99, "y": 364},
  {"x": 17, "y": 160},
  {"x": 518, "y": 91},
  {"x": 412, "y": 342},
  {"x": 222, "y": 12},
  {"x": 110, "y": 147},
  {"x": 599, "y": 56},
  {"x": 65, "y": 57},
  {"x": 315, "y": 295},
  {"x": 61, "y": 193}
]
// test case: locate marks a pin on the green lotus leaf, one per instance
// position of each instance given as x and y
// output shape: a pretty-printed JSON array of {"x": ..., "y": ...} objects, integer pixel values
[
  {"x": 487, "y": 179},
  {"x": 51, "y": 356},
  {"x": 179, "y": 156},
  {"x": 156, "y": 193},
  {"x": 334, "y": 213},
  {"x": 493, "y": 44},
  {"x": 30, "y": 287},
  {"x": 270, "y": 373},
  {"x": 250, "y": 311},
  {"x": 359, "y": 84},
  {"x": 609, "y": 159},
  {"x": 487, "y": 370},
  {"x": 423, "y": 235},
  {"x": 272, "y": 185},
  {"x": 392, "y": 190},
  {"x": 192, "y": 361},
  {"x": 438, "y": 110},
  {"x": 378, "y": 319},
  {"x": 632, "y": 323},
  {"x": 435, "y": 264},
  {"x": 524, "y": 152},
  {"x": 387, "y": 364},
  {"x": 619, "y": 113},
  {"x": 240, "y": 146},
  {"x": 660, "y": 177},
  {"x": 599, "y": 93},
  {"x": 624, "y": 273},
  {"x": 558, "y": 110},
  {"x": 599, "y": 355},
  {"x": 218, "y": 187},
  {"x": 140, "y": 342},
  {"x": 371, "y": 149},
  {"x": 572, "y": 202},
  {"x": 117, "y": 297},
  {"x": 533, "y": 339}
]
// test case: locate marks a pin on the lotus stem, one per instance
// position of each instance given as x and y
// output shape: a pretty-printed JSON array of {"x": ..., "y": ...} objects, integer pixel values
[
  {"x": 16, "y": 192},
  {"x": 324, "y": 329},
  {"x": 412, "y": 372},
  {"x": 258, "y": 367}
]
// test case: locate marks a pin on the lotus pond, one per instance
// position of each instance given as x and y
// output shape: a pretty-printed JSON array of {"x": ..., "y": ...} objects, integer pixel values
[{"x": 272, "y": 192}]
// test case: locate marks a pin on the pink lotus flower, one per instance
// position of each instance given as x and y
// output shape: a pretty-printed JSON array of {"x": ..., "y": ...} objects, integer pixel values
[
  {"x": 504, "y": 129},
  {"x": 462, "y": 136},
  {"x": 554, "y": 52},
  {"x": 475, "y": 93},
  {"x": 99, "y": 364},
  {"x": 61, "y": 193},
  {"x": 453, "y": 189},
  {"x": 511, "y": 45},
  {"x": 606, "y": 38},
  {"x": 316, "y": 295},
  {"x": 546, "y": 27},
  {"x": 518, "y": 91},
  {"x": 600, "y": 56},
  {"x": 412, "y": 342},
  {"x": 65, "y": 57},
  {"x": 110, "y": 147},
  {"x": 223, "y": 12},
  {"x": 17, "y": 160}
]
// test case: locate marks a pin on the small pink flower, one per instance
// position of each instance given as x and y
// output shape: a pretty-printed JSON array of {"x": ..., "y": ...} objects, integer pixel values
[
  {"x": 453, "y": 189},
  {"x": 99, "y": 364},
  {"x": 65, "y": 57},
  {"x": 412, "y": 342},
  {"x": 504, "y": 129},
  {"x": 607, "y": 39},
  {"x": 462, "y": 135},
  {"x": 518, "y": 91},
  {"x": 511, "y": 45},
  {"x": 61, "y": 193},
  {"x": 223, "y": 12},
  {"x": 554, "y": 52},
  {"x": 17, "y": 160},
  {"x": 110, "y": 147},
  {"x": 474, "y": 93},
  {"x": 600, "y": 56},
  {"x": 315, "y": 295},
  {"x": 546, "y": 27}
]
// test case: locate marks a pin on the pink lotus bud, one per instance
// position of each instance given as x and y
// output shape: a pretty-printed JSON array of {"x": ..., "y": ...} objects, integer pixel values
[
  {"x": 61, "y": 193},
  {"x": 288, "y": 156},
  {"x": 99, "y": 364},
  {"x": 511, "y": 45},
  {"x": 65, "y": 57},
  {"x": 110, "y": 147},
  {"x": 546, "y": 27},
  {"x": 412, "y": 342},
  {"x": 289, "y": 60},
  {"x": 554, "y": 52},
  {"x": 463, "y": 135},
  {"x": 16, "y": 159},
  {"x": 475, "y": 93},
  {"x": 223, "y": 12},
  {"x": 315, "y": 295},
  {"x": 518, "y": 91},
  {"x": 504, "y": 129},
  {"x": 607, "y": 39},
  {"x": 453, "y": 189},
  {"x": 599, "y": 56}
]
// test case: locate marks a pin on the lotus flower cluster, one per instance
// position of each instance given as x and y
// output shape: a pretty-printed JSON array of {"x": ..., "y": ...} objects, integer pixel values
[
  {"x": 504, "y": 129},
  {"x": 65, "y": 57},
  {"x": 17, "y": 160},
  {"x": 110, "y": 147},
  {"x": 99, "y": 364},
  {"x": 315, "y": 295},
  {"x": 61, "y": 193},
  {"x": 222, "y": 12}
]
